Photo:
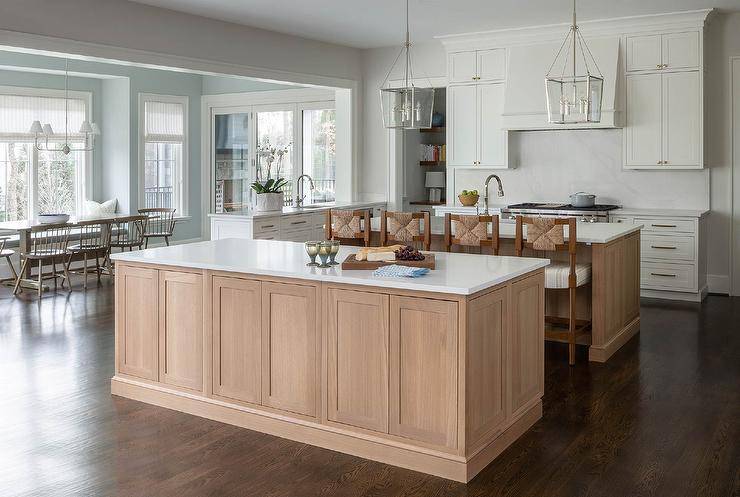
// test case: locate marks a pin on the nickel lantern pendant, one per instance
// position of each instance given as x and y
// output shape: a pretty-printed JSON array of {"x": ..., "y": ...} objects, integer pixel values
[
  {"x": 409, "y": 106},
  {"x": 574, "y": 94}
]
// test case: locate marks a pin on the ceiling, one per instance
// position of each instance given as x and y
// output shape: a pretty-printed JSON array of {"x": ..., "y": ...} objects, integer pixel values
[{"x": 380, "y": 23}]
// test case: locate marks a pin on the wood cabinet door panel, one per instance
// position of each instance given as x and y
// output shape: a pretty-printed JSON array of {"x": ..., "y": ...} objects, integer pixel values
[
  {"x": 181, "y": 329},
  {"x": 289, "y": 347},
  {"x": 461, "y": 125},
  {"x": 423, "y": 370},
  {"x": 643, "y": 132},
  {"x": 485, "y": 383},
  {"x": 237, "y": 339},
  {"x": 644, "y": 53},
  {"x": 357, "y": 356},
  {"x": 682, "y": 119},
  {"x": 526, "y": 341},
  {"x": 491, "y": 136},
  {"x": 461, "y": 67},
  {"x": 137, "y": 322}
]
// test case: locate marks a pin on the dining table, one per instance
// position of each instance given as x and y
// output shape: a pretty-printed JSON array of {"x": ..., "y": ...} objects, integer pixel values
[{"x": 24, "y": 228}]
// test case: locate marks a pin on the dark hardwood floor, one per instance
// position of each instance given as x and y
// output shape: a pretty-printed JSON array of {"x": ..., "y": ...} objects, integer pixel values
[{"x": 662, "y": 418}]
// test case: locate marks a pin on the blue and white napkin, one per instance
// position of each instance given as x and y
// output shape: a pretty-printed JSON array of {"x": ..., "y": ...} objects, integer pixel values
[{"x": 396, "y": 271}]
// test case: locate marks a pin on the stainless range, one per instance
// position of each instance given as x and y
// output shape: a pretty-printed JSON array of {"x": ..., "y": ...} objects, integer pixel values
[{"x": 598, "y": 213}]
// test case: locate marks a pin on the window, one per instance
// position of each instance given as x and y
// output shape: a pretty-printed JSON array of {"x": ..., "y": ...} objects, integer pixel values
[
  {"x": 36, "y": 181},
  {"x": 163, "y": 124},
  {"x": 306, "y": 133}
]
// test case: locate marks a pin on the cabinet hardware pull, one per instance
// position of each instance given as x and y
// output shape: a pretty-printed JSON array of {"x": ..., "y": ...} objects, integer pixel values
[
  {"x": 659, "y": 66},
  {"x": 268, "y": 225},
  {"x": 664, "y": 226},
  {"x": 298, "y": 222},
  {"x": 665, "y": 65},
  {"x": 662, "y": 247},
  {"x": 664, "y": 274}
]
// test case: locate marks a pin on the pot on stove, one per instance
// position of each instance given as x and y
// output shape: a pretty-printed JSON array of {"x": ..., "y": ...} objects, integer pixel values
[{"x": 582, "y": 199}]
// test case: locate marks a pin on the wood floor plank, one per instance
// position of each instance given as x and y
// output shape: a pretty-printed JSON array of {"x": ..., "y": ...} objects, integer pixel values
[{"x": 661, "y": 418}]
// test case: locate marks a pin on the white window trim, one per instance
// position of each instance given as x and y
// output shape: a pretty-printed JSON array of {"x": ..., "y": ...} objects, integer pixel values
[
  {"x": 183, "y": 175},
  {"x": 86, "y": 181}
]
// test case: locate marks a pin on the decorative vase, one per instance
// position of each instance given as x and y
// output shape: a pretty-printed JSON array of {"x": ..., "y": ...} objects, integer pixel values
[{"x": 269, "y": 202}]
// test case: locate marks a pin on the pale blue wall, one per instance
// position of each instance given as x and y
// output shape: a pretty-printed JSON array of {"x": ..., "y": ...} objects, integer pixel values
[{"x": 216, "y": 85}]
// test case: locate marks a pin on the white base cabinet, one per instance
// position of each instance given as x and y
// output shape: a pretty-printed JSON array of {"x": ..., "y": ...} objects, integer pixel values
[{"x": 672, "y": 255}]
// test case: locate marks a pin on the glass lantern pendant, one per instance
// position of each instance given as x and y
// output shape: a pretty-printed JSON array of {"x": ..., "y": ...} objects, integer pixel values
[
  {"x": 409, "y": 106},
  {"x": 574, "y": 95}
]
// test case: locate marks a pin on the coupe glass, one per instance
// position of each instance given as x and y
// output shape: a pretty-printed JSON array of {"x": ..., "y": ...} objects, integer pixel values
[
  {"x": 334, "y": 251},
  {"x": 324, "y": 251},
  {"x": 312, "y": 249}
]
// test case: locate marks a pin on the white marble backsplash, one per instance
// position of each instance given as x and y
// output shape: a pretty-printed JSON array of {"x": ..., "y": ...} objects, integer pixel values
[{"x": 550, "y": 165}]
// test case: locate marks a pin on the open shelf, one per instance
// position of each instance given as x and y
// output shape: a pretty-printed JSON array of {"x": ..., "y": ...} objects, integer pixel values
[{"x": 432, "y": 163}]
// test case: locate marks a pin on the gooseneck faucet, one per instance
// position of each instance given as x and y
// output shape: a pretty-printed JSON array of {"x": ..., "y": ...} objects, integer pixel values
[
  {"x": 299, "y": 196},
  {"x": 500, "y": 190}
]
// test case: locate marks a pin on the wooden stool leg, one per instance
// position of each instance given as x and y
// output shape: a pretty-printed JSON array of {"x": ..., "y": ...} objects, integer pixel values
[
  {"x": 84, "y": 270},
  {"x": 167, "y": 241},
  {"x": 54, "y": 271},
  {"x": 572, "y": 327},
  {"x": 19, "y": 276},
  {"x": 41, "y": 270},
  {"x": 97, "y": 266},
  {"x": 66, "y": 272},
  {"x": 12, "y": 269}
]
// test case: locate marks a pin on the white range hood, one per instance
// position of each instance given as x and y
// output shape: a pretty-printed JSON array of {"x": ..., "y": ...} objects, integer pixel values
[{"x": 525, "y": 107}]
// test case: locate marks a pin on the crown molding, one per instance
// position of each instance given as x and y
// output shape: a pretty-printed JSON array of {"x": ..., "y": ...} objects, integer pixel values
[{"x": 674, "y": 21}]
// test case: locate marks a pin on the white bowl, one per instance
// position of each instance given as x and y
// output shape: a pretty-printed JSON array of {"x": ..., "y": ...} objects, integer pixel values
[{"x": 53, "y": 218}]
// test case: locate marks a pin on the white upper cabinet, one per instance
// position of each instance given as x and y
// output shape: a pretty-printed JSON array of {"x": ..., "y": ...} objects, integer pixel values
[
  {"x": 491, "y": 138},
  {"x": 682, "y": 118},
  {"x": 644, "y": 115},
  {"x": 658, "y": 52},
  {"x": 491, "y": 64},
  {"x": 681, "y": 50},
  {"x": 461, "y": 67},
  {"x": 477, "y": 65},
  {"x": 461, "y": 125},
  {"x": 474, "y": 133}
]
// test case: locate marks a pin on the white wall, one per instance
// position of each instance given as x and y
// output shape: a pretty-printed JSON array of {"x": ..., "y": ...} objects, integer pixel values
[{"x": 216, "y": 85}]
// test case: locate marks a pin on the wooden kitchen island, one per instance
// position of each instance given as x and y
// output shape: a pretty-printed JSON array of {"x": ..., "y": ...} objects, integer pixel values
[{"x": 438, "y": 374}]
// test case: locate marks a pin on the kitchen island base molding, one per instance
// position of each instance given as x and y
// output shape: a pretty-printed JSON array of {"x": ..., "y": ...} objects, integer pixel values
[
  {"x": 432, "y": 381},
  {"x": 435, "y": 463}
]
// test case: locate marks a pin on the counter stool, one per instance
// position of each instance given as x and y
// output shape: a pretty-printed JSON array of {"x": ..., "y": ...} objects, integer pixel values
[
  {"x": 94, "y": 242},
  {"x": 405, "y": 227},
  {"x": 471, "y": 231},
  {"x": 160, "y": 224},
  {"x": 7, "y": 254},
  {"x": 347, "y": 226},
  {"x": 547, "y": 234},
  {"x": 48, "y": 246}
]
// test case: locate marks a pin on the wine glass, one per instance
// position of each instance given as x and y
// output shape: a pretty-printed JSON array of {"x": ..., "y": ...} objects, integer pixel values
[
  {"x": 334, "y": 251},
  {"x": 312, "y": 249},
  {"x": 324, "y": 251}
]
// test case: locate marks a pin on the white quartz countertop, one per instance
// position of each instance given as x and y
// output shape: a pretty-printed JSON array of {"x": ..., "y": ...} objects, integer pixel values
[
  {"x": 287, "y": 211},
  {"x": 626, "y": 211},
  {"x": 461, "y": 274},
  {"x": 585, "y": 232}
]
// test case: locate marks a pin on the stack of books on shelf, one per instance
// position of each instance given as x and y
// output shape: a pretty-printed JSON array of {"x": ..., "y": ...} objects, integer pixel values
[{"x": 432, "y": 153}]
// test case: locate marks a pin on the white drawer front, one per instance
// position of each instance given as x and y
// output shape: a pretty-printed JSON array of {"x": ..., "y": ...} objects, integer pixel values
[
  {"x": 229, "y": 229},
  {"x": 666, "y": 225},
  {"x": 621, "y": 219},
  {"x": 660, "y": 276},
  {"x": 668, "y": 247},
  {"x": 297, "y": 222},
  {"x": 262, "y": 225}
]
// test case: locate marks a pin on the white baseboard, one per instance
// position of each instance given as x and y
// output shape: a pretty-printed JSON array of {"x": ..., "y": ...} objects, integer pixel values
[{"x": 718, "y": 283}]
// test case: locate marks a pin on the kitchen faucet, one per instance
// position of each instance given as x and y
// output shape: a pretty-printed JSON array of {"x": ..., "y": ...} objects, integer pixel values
[
  {"x": 500, "y": 190},
  {"x": 298, "y": 199}
]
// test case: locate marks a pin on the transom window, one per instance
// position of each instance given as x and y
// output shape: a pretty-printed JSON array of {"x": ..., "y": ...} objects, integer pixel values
[
  {"x": 163, "y": 151},
  {"x": 35, "y": 181}
]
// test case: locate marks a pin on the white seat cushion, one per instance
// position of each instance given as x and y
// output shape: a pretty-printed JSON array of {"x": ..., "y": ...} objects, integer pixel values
[{"x": 556, "y": 274}]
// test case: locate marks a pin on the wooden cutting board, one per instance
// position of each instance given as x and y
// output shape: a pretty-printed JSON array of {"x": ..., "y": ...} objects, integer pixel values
[{"x": 351, "y": 263}]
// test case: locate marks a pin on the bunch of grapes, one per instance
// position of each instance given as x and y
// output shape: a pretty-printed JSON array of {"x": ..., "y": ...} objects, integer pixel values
[{"x": 409, "y": 253}]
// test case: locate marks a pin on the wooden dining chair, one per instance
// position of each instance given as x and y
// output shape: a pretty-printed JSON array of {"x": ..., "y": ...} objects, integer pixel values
[
  {"x": 126, "y": 233},
  {"x": 160, "y": 224},
  {"x": 93, "y": 241},
  {"x": 348, "y": 226},
  {"x": 548, "y": 235},
  {"x": 6, "y": 253},
  {"x": 472, "y": 231},
  {"x": 48, "y": 246},
  {"x": 405, "y": 227}
]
